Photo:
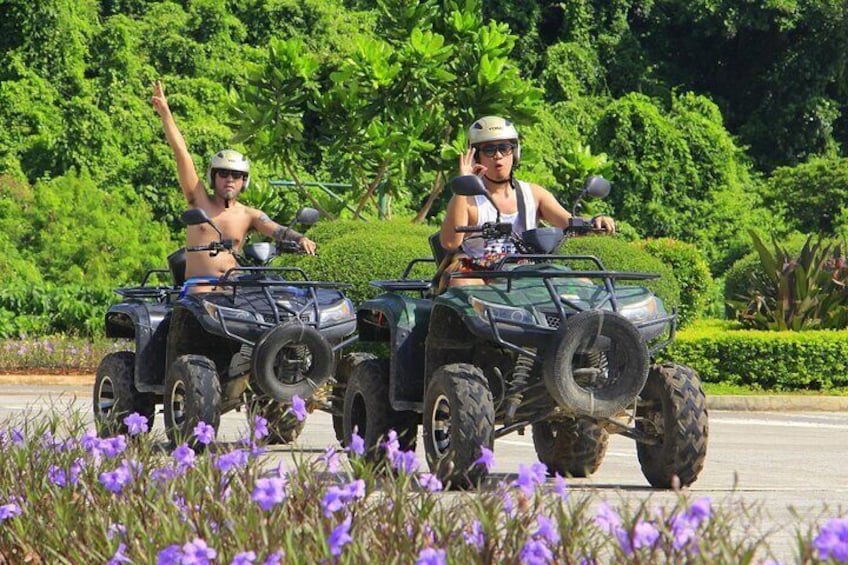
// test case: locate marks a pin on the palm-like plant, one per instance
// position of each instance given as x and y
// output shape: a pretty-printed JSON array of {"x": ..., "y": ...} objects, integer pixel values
[{"x": 807, "y": 291}]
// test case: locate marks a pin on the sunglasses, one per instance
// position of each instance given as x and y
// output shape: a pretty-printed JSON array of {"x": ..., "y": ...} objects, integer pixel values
[
  {"x": 490, "y": 150},
  {"x": 223, "y": 173}
]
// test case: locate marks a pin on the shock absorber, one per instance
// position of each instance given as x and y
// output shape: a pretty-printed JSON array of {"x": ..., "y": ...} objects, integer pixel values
[{"x": 520, "y": 378}]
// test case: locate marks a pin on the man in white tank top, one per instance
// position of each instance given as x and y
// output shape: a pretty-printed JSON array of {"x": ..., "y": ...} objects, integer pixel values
[{"x": 493, "y": 152}]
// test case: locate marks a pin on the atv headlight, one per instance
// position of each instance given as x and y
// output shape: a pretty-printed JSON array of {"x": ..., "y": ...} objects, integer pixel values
[
  {"x": 501, "y": 312},
  {"x": 338, "y": 313},
  {"x": 646, "y": 309},
  {"x": 217, "y": 312}
]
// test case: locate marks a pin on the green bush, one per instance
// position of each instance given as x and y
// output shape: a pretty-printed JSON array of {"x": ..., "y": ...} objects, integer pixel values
[
  {"x": 774, "y": 361},
  {"x": 45, "y": 309},
  {"x": 356, "y": 252},
  {"x": 690, "y": 268},
  {"x": 618, "y": 255}
]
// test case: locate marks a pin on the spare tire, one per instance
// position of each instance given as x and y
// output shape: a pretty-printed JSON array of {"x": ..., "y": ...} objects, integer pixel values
[
  {"x": 597, "y": 365},
  {"x": 292, "y": 360}
]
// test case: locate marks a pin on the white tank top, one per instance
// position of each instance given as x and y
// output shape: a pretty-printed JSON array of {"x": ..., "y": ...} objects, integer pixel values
[{"x": 486, "y": 212}]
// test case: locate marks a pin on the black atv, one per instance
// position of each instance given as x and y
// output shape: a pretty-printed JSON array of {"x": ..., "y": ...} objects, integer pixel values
[
  {"x": 258, "y": 340},
  {"x": 566, "y": 351}
]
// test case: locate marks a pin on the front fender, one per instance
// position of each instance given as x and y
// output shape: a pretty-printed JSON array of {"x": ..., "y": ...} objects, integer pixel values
[
  {"x": 402, "y": 322},
  {"x": 147, "y": 324}
]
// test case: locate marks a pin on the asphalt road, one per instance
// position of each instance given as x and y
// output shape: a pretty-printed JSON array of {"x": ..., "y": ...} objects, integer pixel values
[{"x": 764, "y": 461}]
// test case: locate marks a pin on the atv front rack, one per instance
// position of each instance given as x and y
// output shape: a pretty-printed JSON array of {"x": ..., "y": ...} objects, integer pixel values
[
  {"x": 257, "y": 278},
  {"x": 559, "y": 302}
]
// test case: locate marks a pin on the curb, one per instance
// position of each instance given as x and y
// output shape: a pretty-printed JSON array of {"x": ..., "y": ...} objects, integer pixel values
[{"x": 739, "y": 403}]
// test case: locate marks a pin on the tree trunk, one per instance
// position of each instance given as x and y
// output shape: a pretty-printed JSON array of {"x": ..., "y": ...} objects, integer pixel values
[{"x": 438, "y": 186}]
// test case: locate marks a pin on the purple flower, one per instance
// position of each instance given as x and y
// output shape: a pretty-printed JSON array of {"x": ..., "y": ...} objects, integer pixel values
[
  {"x": 831, "y": 542},
  {"x": 115, "y": 481},
  {"x": 260, "y": 427},
  {"x": 119, "y": 556},
  {"x": 607, "y": 519},
  {"x": 536, "y": 552},
  {"x": 339, "y": 537},
  {"x": 487, "y": 458},
  {"x": 9, "y": 510},
  {"x": 197, "y": 553},
  {"x": 61, "y": 478},
  {"x": 430, "y": 482},
  {"x": 136, "y": 424},
  {"x": 116, "y": 530},
  {"x": 112, "y": 447},
  {"x": 275, "y": 558},
  {"x": 337, "y": 498},
  {"x": 644, "y": 534},
  {"x": 560, "y": 487},
  {"x": 431, "y": 556},
  {"x": 269, "y": 492},
  {"x": 163, "y": 474},
  {"x": 204, "y": 433},
  {"x": 391, "y": 446},
  {"x": 547, "y": 530},
  {"x": 475, "y": 537},
  {"x": 530, "y": 477},
  {"x": 405, "y": 462},
  {"x": 171, "y": 555},
  {"x": 357, "y": 444},
  {"x": 184, "y": 456},
  {"x": 298, "y": 408},
  {"x": 244, "y": 558},
  {"x": 234, "y": 459},
  {"x": 17, "y": 437},
  {"x": 700, "y": 510},
  {"x": 331, "y": 459}
]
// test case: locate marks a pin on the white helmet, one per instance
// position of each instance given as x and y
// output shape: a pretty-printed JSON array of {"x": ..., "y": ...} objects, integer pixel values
[
  {"x": 231, "y": 161},
  {"x": 494, "y": 128}
]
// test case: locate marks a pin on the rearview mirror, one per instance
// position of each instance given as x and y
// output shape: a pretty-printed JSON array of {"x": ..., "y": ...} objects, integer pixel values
[
  {"x": 467, "y": 185},
  {"x": 597, "y": 186},
  {"x": 307, "y": 216},
  {"x": 194, "y": 217}
]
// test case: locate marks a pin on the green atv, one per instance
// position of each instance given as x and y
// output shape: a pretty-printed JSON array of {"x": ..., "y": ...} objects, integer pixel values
[{"x": 565, "y": 351}]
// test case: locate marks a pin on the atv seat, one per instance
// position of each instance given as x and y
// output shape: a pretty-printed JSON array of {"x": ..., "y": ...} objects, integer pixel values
[
  {"x": 177, "y": 266},
  {"x": 437, "y": 249},
  {"x": 439, "y": 254}
]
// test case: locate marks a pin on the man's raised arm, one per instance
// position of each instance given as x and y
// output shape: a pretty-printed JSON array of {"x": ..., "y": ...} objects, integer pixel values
[{"x": 189, "y": 181}]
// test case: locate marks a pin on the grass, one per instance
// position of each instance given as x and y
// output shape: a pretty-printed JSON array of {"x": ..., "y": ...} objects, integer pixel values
[{"x": 67, "y": 496}]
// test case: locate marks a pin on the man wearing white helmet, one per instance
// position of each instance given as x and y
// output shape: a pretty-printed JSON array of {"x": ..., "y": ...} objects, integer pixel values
[
  {"x": 493, "y": 152},
  {"x": 228, "y": 174}
]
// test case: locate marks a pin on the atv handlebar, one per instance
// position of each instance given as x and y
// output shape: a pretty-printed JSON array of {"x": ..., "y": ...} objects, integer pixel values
[{"x": 213, "y": 247}]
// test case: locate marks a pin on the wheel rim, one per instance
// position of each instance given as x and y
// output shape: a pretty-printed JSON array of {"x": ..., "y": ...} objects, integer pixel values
[
  {"x": 292, "y": 364},
  {"x": 441, "y": 425},
  {"x": 178, "y": 404},
  {"x": 105, "y": 398}
]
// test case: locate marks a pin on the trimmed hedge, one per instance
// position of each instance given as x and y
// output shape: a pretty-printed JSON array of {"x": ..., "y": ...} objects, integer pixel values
[
  {"x": 774, "y": 361},
  {"x": 357, "y": 252},
  {"x": 692, "y": 272}
]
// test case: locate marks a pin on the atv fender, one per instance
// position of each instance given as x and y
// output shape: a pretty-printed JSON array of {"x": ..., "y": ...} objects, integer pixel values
[
  {"x": 402, "y": 321},
  {"x": 148, "y": 325}
]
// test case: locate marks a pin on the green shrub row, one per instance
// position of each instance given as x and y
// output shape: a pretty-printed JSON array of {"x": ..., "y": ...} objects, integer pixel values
[
  {"x": 47, "y": 309},
  {"x": 774, "y": 361}
]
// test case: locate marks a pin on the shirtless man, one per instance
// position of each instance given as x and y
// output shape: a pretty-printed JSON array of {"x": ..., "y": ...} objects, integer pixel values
[{"x": 228, "y": 174}]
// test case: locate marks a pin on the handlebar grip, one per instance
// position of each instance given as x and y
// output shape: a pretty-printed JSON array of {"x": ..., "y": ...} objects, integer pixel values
[
  {"x": 197, "y": 248},
  {"x": 468, "y": 229}
]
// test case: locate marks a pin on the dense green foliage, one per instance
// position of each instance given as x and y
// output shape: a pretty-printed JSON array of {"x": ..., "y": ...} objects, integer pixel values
[
  {"x": 773, "y": 361},
  {"x": 710, "y": 118}
]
